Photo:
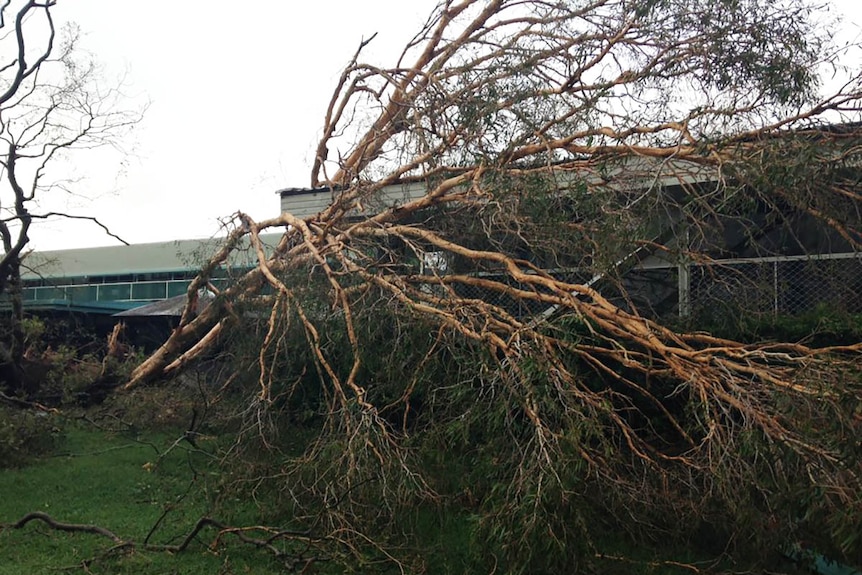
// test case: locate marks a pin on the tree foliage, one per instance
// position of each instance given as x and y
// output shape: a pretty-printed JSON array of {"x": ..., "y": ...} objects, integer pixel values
[{"x": 492, "y": 317}]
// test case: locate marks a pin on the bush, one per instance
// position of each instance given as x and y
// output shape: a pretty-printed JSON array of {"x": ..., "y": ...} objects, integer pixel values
[{"x": 26, "y": 435}]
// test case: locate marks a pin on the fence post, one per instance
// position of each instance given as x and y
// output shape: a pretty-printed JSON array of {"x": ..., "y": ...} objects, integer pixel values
[
  {"x": 684, "y": 288},
  {"x": 775, "y": 288}
]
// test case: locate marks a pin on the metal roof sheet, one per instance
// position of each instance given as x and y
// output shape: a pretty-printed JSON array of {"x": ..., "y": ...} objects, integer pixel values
[{"x": 156, "y": 257}]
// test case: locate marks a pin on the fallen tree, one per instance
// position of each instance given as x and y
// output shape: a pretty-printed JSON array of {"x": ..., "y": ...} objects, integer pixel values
[{"x": 557, "y": 146}]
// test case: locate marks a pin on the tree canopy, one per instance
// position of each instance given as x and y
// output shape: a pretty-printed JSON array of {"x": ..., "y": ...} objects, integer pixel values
[{"x": 560, "y": 146}]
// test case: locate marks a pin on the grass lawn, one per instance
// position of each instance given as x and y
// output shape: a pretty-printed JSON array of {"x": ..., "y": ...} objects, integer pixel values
[
  {"x": 150, "y": 486},
  {"x": 112, "y": 480}
]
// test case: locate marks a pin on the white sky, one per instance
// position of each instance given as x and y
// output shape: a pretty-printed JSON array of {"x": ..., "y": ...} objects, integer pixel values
[{"x": 238, "y": 91}]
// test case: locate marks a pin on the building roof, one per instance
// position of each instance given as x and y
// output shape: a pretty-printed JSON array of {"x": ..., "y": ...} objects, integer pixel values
[
  {"x": 173, "y": 306},
  {"x": 156, "y": 257}
]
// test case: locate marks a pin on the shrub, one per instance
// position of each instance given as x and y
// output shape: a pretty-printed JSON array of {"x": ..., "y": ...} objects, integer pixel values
[{"x": 25, "y": 435}]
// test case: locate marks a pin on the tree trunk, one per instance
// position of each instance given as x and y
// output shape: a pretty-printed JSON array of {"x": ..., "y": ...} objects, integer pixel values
[{"x": 12, "y": 370}]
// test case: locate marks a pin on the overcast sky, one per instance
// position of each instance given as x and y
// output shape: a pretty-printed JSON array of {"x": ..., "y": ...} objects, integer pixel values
[{"x": 237, "y": 94}]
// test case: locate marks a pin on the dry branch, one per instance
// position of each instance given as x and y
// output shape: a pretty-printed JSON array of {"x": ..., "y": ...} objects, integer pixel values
[
  {"x": 558, "y": 146},
  {"x": 59, "y": 526},
  {"x": 271, "y": 536}
]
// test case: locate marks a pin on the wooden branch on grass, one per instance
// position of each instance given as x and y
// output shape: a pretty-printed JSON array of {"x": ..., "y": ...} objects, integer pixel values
[
  {"x": 272, "y": 534},
  {"x": 59, "y": 526}
]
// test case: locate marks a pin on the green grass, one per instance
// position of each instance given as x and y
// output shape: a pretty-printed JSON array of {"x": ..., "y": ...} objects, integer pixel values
[
  {"x": 109, "y": 480},
  {"x": 118, "y": 481}
]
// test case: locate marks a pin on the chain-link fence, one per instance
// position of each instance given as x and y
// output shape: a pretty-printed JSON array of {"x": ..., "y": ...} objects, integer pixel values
[
  {"x": 770, "y": 286},
  {"x": 776, "y": 286}
]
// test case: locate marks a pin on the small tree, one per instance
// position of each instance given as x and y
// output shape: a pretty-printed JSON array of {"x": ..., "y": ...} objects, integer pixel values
[
  {"x": 52, "y": 106},
  {"x": 558, "y": 144}
]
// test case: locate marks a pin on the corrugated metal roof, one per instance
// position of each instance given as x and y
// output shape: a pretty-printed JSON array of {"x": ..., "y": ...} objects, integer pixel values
[
  {"x": 304, "y": 202},
  {"x": 169, "y": 307},
  {"x": 94, "y": 307},
  {"x": 157, "y": 257}
]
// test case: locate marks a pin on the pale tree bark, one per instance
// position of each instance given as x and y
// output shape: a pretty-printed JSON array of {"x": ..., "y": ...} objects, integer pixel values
[{"x": 586, "y": 136}]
